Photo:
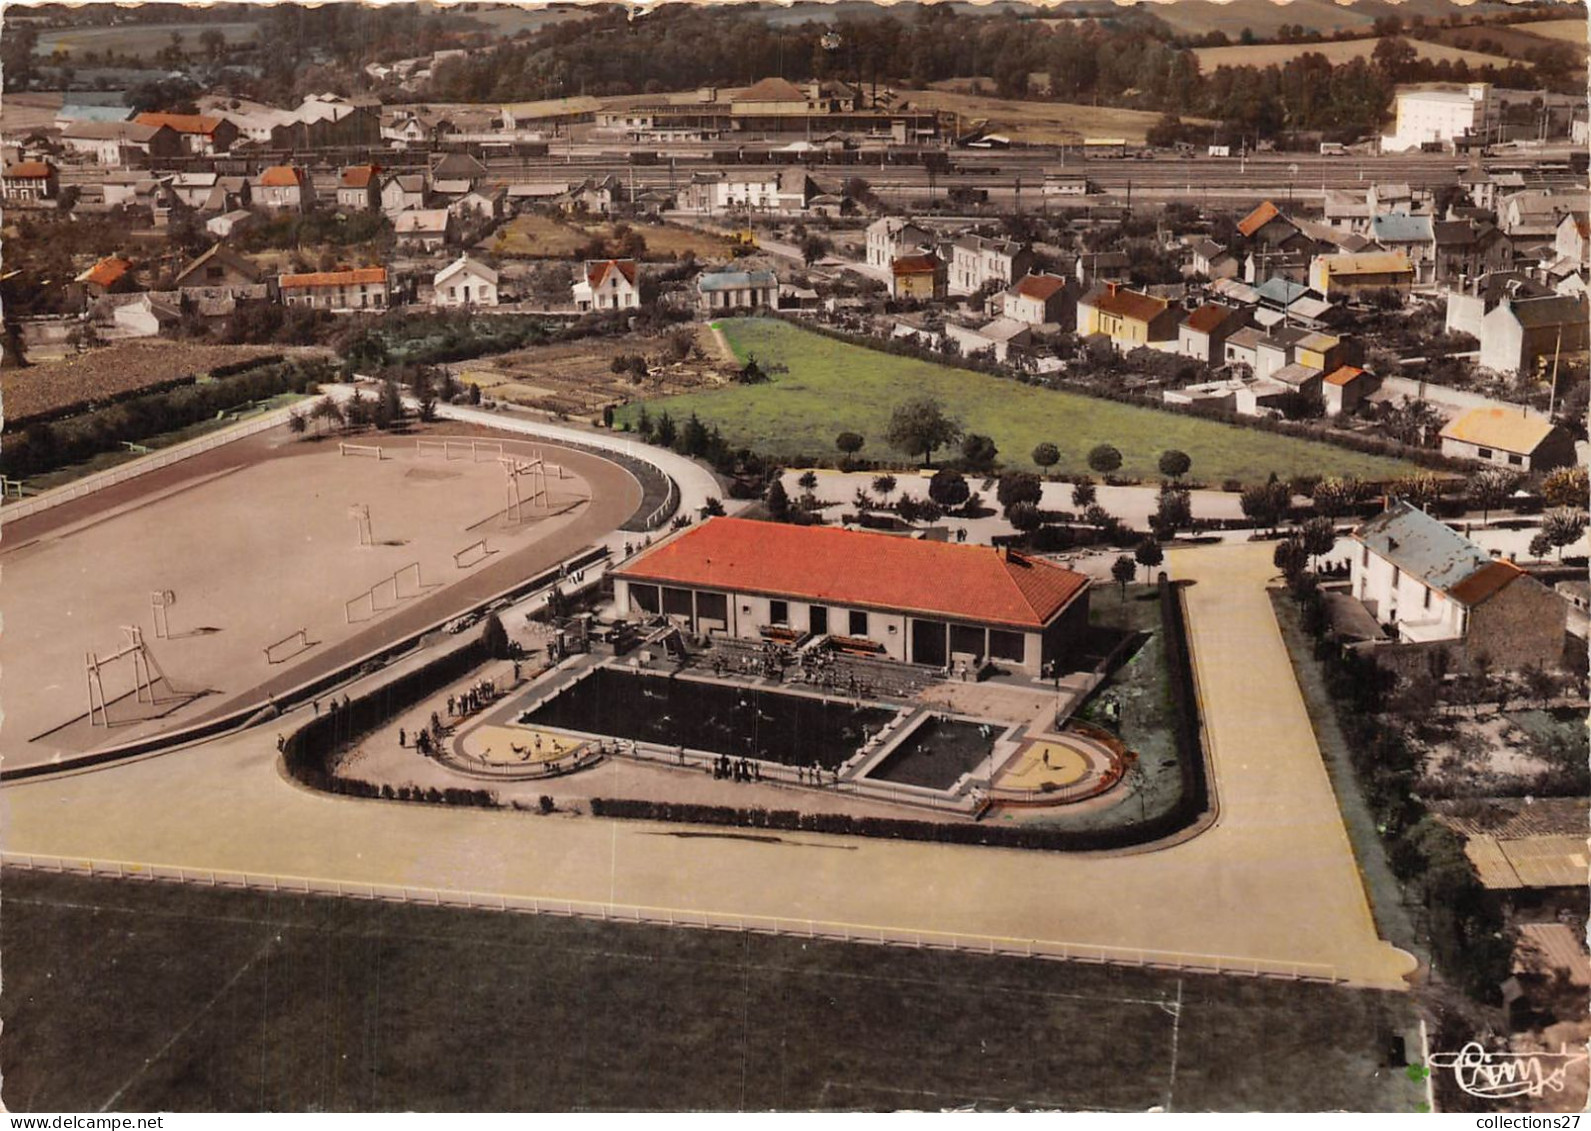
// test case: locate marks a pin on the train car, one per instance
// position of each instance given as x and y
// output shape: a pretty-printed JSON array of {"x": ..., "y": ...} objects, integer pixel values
[{"x": 645, "y": 157}]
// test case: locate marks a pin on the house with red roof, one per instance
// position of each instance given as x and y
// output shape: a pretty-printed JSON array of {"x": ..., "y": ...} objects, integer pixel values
[
  {"x": 1266, "y": 226},
  {"x": 203, "y": 135},
  {"x": 608, "y": 284},
  {"x": 917, "y": 276},
  {"x": 283, "y": 188},
  {"x": 30, "y": 180},
  {"x": 1040, "y": 300},
  {"x": 113, "y": 274},
  {"x": 913, "y": 601},
  {"x": 1130, "y": 319},
  {"x": 359, "y": 288},
  {"x": 359, "y": 188},
  {"x": 1202, "y": 336},
  {"x": 1428, "y": 585},
  {"x": 1345, "y": 389}
]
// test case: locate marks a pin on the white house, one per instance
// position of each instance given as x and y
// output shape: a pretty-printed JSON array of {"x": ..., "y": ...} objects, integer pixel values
[
  {"x": 465, "y": 282},
  {"x": 144, "y": 317},
  {"x": 1039, "y": 300},
  {"x": 976, "y": 261},
  {"x": 284, "y": 188},
  {"x": 999, "y": 337},
  {"x": 891, "y": 237},
  {"x": 424, "y": 228},
  {"x": 608, "y": 284},
  {"x": 737, "y": 290},
  {"x": 361, "y": 288},
  {"x": 403, "y": 192}
]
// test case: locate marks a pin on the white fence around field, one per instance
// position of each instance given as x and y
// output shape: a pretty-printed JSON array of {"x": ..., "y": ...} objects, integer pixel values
[
  {"x": 165, "y": 457},
  {"x": 672, "y": 917}
]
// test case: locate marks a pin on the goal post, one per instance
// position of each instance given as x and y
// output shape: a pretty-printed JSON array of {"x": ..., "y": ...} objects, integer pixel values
[
  {"x": 423, "y": 448},
  {"x": 372, "y": 450}
]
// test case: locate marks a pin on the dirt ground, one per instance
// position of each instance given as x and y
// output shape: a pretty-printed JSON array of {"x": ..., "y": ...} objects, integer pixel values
[
  {"x": 534, "y": 235},
  {"x": 576, "y": 378},
  {"x": 254, "y": 552}
]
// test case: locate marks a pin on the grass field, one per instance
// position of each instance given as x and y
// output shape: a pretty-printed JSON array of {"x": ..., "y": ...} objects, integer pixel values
[
  {"x": 1517, "y": 40},
  {"x": 537, "y": 236},
  {"x": 1038, "y": 123},
  {"x": 137, "y": 39},
  {"x": 831, "y": 387},
  {"x": 1567, "y": 31},
  {"x": 1264, "y": 54},
  {"x": 138, "y": 997}
]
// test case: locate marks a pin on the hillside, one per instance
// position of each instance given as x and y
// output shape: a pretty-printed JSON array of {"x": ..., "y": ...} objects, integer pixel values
[{"x": 1342, "y": 51}]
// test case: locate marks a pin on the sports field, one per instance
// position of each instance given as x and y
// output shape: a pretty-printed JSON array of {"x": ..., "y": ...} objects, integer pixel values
[
  {"x": 1039, "y": 123},
  {"x": 257, "y": 542},
  {"x": 831, "y": 386},
  {"x": 139, "y": 997}
]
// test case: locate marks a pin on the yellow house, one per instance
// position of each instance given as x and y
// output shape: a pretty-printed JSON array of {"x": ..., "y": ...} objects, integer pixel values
[
  {"x": 917, "y": 276},
  {"x": 1320, "y": 351},
  {"x": 1128, "y": 318},
  {"x": 1334, "y": 276}
]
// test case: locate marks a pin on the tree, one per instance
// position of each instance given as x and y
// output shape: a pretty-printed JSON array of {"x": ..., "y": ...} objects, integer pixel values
[
  {"x": 1046, "y": 456},
  {"x": 1024, "y": 516},
  {"x": 1174, "y": 463},
  {"x": 1540, "y": 545},
  {"x": 1149, "y": 554},
  {"x": 849, "y": 443},
  {"x": 978, "y": 452},
  {"x": 388, "y": 412},
  {"x": 1123, "y": 571},
  {"x": 777, "y": 501},
  {"x": 1565, "y": 487},
  {"x": 1264, "y": 504},
  {"x": 1104, "y": 459},
  {"x": 1540, "y": 685},
  {"x": 296, "y": 422},
  {"x": 213, "y": 40},
  {"x": 1084, "y": 494},
  {"x": 949, "y": 488},
  {"x": 1317, "y": 537},
  {"x": 1019, "y": 487},
  {"x": 712, "y": 507},
  {"x": 1290, "y": 557},
  {"x": 667, "y": 432},
  {"x": 1333, "y": 496},
  {"x": 921, "y": 425},
  {"x": 1173, "y": 511},
  {"x": 808, "y": 481},
  {"x": 883, "y": 487},
  {"x": 1420, "y": 489},
  {"x": 1490, "y": 487},
  {"x": 814, "y": 248},
  {"x": 1563, "y": 527}
]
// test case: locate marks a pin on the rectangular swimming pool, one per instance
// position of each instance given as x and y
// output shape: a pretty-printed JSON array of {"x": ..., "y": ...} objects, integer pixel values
[
  {"x": 937, "y": 752},
  {"x": 723, "y": 719}
]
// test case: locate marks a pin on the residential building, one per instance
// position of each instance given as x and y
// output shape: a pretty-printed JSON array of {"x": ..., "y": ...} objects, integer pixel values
[
  {"x": 1533, "y": 216},
  {"x": 1203, "y": 335},
  {"x": 1466, "y": 309},
  {"x": 1348, "y": 276},
  {"x": 1463, "y": 249},
  {"x": 1389, "y": 196},
  {"x": 976, "y": 262},
  {"x": 111, "y": 275},
  {"x": 1103, "y": 267},
  {"x": 359, "y": 188},
  {"x": 891, "y": 237},
  {"x": 203, "y": 135},
  {"x": 361, "y": 288},
  {"x": 458, "y": 167},
  {"x": 1243, "y": 346},
  {"x": 917, "y": 277},
  {"x": 1508, "y": 438},
  {"x": 1347, "y": 211},
  {"x": 1041, "y": 300},
  {"x": 220, "y": 266},
  {"x": 1520, "y": 334},
  {"x": 916, "y": 602},
  {"x": 30, "y": 180},
  {"x": 1410, "y": 235},
  {"x": 1128, "y": 318},
  {"x": 1320, "y": 350},
  {"x": 464, "y": 282},
  {"x": 726, "y": 289},
  {"x": 487, "y": 202},
  {"x": 1213, "y": 261},
  {"x": 225, "y": 224},
  {"x": 423, "y": 229},
  {"x": 1428, "y": 584},
  {"x": 998, "y": 338},
  {"x": 608, "y": 284},
  {"x": 1572, "y": 241},
  {"x": 284, "y": 188},
  {"x": 1268, "y": 228},
  {"x": 1277, "y": 349},
  {"x": 1345, "y": 388},
  {"x": 144, "y": 317},
  {"x": 194, "y": 188},
  {"x": 403, "y": 192}
]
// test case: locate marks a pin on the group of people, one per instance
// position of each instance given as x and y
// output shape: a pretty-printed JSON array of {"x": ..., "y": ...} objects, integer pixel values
[
  {"x": 737, "y": 769},
  {"x": 472, "y": 699}
]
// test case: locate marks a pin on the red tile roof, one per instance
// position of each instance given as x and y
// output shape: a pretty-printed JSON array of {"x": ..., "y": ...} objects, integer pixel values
[
  {"x": 1258, "y": 218},
  {"x": 359, "y": 176},
  {"x": 29, "y": 171},
  {"x": 915, "y": 265},
  {"x": 349, "y": 278},
  {"x": 597, "y": 270},
  {"x": 1128, "y": 304},
  {"x": 1484, "y": 582},
  {"x": 1041, "y": 287},
  {"x": 281, "y": 176},
  {"x": 182, "y": 123},
  {"x": 107, "y": 272},
  {"x": 1209, "y": 318},
  {"x": 879, "y": 571},
  {"x": 1344, "y": 375}
]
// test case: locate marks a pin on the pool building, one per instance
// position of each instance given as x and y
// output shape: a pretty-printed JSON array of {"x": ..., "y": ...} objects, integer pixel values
[{"x": 913, "y": 601}]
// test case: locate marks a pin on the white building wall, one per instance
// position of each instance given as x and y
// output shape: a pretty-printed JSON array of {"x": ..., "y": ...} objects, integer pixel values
[{"x": 1395, "y": 597}]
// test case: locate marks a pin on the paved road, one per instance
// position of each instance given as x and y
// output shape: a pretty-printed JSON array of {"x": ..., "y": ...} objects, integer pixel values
[{"x": 1274, "y": 879}]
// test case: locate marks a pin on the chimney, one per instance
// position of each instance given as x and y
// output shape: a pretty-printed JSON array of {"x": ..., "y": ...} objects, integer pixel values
[{"x": 1112, "y": 288}]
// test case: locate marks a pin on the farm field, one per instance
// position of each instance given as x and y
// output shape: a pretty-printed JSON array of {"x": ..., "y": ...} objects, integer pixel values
[
  {"x": 1038, "y": 123},
  {"x": 137, "y": 39},
  {"x": 538, "y": 236},
  {"x": 1567, "y": 31},
  {"x": 829, "y": 387},
  {"x": 27, "y": 110},
  {"x": 1519, "y": 40},
  {"x": 1343, "y": 51},
  {"x": 1265, "y": 17},
  {"x": 291, "y": 1003},
  {"x": 112, "y": 371}
]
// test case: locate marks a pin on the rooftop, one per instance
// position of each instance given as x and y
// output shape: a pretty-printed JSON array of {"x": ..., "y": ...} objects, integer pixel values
[
  {"x": 1041, "y": 287},
  {"x": 1126, "y": 304},
  {"x": 349, "y": 278},
  {"x": 182, "y": 123},
  {"x": 1369, "y": 263},
  {"x": 1258, "y": 218},
  {"x": 597, "y": 270},
  {"x": 915, "y": 265},
  {"x": 710, "y": 281},
  {"x": 862, "y": 569},
  {"x": 1500, "y": 428},
  {"x": 1210, "y": 317},
  {"x": 1400, "y": 227},
  {"x": 1435, "y": 554}
]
